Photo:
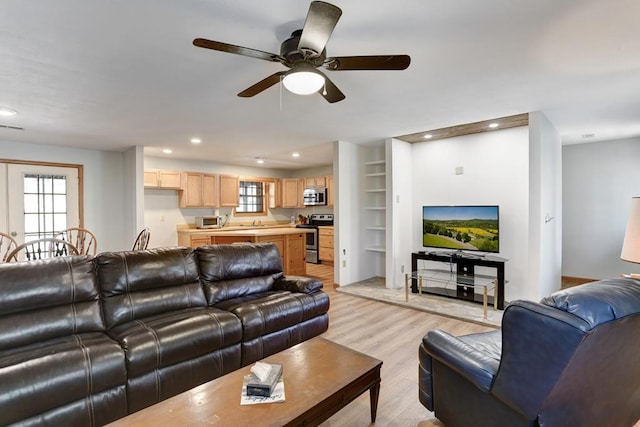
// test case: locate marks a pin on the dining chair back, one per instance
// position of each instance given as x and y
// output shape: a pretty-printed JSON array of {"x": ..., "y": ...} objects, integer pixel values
[
  {"x": 84, "y": 240},
  {"x": 7, "y": 244},
  {"x": 40, "y": 249},
  {"x": 142, "y": 241}
]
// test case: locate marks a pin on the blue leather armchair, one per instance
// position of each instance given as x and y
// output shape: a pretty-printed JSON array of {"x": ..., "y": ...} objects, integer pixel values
[{"x": 571, "y": 360}]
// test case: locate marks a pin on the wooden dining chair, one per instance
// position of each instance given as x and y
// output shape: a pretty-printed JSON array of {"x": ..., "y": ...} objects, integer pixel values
[
  {"x": 47, "y": 247},
  {"x": 84, "y": 240},
  {"x": 142, "y": 241},
  {"x": 7, "y": 244}
]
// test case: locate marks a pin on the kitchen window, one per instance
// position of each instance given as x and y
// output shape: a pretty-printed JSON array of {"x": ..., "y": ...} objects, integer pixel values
[{"x": 251, "y": 198}]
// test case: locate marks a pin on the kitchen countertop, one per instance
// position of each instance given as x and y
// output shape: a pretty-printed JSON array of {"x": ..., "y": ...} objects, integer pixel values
[
  {"x": 264, "y": 230},
  {"x": 207, "y": 231}
]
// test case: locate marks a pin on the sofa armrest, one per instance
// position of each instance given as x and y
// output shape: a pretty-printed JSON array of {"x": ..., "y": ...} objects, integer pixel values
[
  {"x": 477, "y": 366},
  {"x": 302, "y": 284},
  {"x": 538, "y": 342}
]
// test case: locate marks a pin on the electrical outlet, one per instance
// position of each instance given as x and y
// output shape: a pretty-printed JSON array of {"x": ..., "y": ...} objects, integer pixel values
[
  {"x": 161, "y": 217},
  {"x": 344, "y": 263}
]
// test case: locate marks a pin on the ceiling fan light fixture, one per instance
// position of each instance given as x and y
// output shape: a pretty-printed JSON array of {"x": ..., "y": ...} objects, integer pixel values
[{"x": 303, "y": 82}]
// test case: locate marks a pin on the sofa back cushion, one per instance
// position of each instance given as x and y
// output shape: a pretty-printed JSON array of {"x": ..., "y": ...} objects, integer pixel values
[
  {"x": 598, "y": 302},
  {"x": 139, "y": 284},
  {"x": 47, "y": 299},
  {"x": 236, "y": 270}
]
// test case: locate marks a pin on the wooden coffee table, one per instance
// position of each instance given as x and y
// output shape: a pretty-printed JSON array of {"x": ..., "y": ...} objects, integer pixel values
[{"x": 320, "y": 378}]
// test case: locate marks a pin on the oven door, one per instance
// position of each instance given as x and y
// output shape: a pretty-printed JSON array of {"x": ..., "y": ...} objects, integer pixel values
[{"x": 312, "y": 240}]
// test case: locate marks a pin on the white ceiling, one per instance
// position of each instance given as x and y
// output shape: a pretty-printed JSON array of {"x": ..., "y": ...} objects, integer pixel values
[{"x": 117, "y": 73}]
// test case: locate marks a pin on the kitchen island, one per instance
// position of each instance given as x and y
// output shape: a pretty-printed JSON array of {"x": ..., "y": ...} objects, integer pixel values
[{"x": 291, "y": 242}]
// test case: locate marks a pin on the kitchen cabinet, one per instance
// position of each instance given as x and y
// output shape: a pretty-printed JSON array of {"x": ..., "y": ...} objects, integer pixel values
[
  {"x": 229, "y": 190},
  {"x": 225, "y": 240},
  {"x": 275, "y": 193},
  {"x": 164, "y": 179},
  {"x": 291, "y": 193},
  {"x": 295, "y": 259},
  {"x": 329, "y": 181},
  {"x": 199, "y": 190},
  {"x": 291, "y": 243},
  {"x": 193, "y": 240},
  {"x": 318, "y": 181},
  {"x": 325, "y": 244}
]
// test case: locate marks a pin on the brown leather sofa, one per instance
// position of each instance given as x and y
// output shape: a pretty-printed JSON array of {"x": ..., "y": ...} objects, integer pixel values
[{"x": 85, "y": 341}]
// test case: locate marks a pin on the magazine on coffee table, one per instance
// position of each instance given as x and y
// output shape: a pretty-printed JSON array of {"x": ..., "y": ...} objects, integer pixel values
[{"x": 276, "y": 396}]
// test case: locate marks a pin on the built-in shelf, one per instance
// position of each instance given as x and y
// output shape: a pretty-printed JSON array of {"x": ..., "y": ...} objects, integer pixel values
[
  {"x": 375, "y": 162},
  {"x": 376, "y": 208},
  {"x": 379, "y": 228},
  {"x": 374, "y": 249},
  {"x": 376, "y": 174},
  {"x": 377, "y": 190}
]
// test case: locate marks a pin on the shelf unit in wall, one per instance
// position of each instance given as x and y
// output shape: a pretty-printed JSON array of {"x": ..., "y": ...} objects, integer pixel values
[{"x": 375, "y": 196}]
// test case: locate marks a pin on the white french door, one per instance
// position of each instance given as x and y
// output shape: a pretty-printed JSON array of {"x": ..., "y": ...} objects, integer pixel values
[{"x": 41, "y": 200}]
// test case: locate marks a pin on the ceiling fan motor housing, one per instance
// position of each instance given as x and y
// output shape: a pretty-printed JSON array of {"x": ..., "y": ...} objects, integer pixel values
[{"x": 289, "y": 50}]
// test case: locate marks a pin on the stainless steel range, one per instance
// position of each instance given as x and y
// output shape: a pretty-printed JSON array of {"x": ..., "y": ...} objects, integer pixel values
[{"x": 312, "y": 238}]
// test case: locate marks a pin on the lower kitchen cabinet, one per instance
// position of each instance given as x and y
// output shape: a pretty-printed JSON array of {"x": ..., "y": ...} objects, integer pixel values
[
  {"x": 194, "y": 240},
  {"x": 325, "y": 244},
  {"x": 295, "y": 261}
]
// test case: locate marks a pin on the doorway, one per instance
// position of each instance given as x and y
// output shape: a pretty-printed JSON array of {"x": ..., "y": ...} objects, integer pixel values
[{"x": 39, "y": 200}]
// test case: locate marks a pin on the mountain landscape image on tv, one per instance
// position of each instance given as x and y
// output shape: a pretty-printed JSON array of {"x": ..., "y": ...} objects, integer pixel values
[{"x": 471, "y": 228}]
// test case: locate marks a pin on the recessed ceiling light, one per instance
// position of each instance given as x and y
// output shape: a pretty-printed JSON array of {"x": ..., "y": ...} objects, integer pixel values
[
  {"x": 428, "y": 136},
  {"x": 295, "y": 154},
  {"x": 493, "y": 125},
  {"x": 7, "y": 112},
  {"x": 259, "y": 160},
  {"x": 196, "y": 140},
  {"x": 167, "y": 151}
]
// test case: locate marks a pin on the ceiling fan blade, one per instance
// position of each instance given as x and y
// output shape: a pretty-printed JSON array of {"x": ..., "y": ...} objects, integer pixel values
[
  {"x": 375, "y": 62},
  {"x": 238, "y": 50},
  {"x": 330, "y": 91},
  {"x": 321, "y": 20},
  {"x": 262, "y": 85}
]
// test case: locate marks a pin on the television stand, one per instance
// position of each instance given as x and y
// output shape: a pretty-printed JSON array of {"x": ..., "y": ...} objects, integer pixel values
[{"x": 464, "y": 275}]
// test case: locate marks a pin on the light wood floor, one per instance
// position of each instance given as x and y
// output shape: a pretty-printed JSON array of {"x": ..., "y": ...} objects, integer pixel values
[{"x": 391, "y": 334}]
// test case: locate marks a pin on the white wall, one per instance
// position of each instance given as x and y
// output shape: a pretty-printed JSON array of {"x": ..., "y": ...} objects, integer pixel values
[
  {"x": 599, "y": 180},
  {"x": 545, "y": 208},
  {"x": 495, "y": 173},
  {"x": 350, "y": 265},
  {"x": 104, "y": 207},
  {"x": 400, "y": 213}
]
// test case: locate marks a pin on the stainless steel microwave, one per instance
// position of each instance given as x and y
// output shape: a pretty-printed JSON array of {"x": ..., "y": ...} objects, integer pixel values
[
  {"x": 314, "y": 196},
  {"x": 210, "y": 221}
]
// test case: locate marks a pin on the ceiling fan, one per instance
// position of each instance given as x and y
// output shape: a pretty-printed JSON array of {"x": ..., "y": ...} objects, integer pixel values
[{"x": 304, "y": 52}]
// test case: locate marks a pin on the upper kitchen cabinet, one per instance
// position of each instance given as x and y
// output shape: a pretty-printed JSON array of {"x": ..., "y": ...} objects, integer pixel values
[
  {"x": 199, "y": 190},
  {"x": 318, "y": 181},
  {"x": 329, "y": 181},
  {"x": 166, "y": 179},
  {"x": 291, "y": 192},
  {"x": 275, "y": 193},
  {"x": 229, "y": 191}
]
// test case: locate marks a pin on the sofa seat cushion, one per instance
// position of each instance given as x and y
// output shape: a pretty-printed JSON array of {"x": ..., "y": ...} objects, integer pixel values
[
  {"x": 166, "y": 339},
  {"x": 268, "y": 312},
  {"x": 41, "y": 377}
]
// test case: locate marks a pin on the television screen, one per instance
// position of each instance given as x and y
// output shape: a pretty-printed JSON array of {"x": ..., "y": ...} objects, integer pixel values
[{"x": 469, "y": 228}]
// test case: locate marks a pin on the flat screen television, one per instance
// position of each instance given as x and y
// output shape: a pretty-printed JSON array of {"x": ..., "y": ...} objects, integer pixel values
[{"x": 466, "y": 228}]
